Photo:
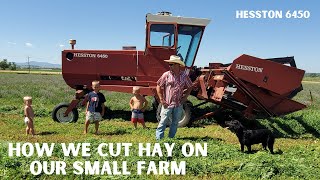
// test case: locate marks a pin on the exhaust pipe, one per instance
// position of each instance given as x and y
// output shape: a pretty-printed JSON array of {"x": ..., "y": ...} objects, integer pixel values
[{"x": 72, "y": 42}]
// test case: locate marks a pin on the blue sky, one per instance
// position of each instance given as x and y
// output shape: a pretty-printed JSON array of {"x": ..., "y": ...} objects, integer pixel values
[{"x": 41, "y": 29}]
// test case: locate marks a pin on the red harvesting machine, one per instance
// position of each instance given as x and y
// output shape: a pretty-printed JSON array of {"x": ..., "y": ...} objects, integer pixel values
[{"x": 250, "y": 85}]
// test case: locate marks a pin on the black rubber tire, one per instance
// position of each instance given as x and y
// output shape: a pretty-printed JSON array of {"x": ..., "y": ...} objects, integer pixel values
[
  {"x": 155, "y": 104},
  {"x": 186, "y": 117},
  {"x": 57, "y": 114}
]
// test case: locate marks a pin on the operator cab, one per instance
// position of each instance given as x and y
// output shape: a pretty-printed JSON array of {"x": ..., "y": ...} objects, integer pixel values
[{"x": 167, "y": 35}]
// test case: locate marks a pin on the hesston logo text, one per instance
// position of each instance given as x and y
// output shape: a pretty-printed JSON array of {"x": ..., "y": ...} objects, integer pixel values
[
  {"x": 90, "y": 55},
  {"x": 249, "y": 68}
]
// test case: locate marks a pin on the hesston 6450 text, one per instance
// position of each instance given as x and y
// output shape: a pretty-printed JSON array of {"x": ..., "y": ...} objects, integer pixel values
[{"x": 272, "y": 14}]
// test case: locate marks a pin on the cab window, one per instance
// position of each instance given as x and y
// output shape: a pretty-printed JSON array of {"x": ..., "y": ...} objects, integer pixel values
[
  {"x": 188, "y": 41},
  {"x": 162, "y": 35}
]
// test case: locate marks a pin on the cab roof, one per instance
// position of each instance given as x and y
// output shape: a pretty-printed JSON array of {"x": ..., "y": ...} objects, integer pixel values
[{"x": 167, "y": 17}]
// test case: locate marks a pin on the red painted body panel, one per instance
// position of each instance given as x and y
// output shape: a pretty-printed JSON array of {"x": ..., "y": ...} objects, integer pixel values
[
  {"x": 275, "y": 77},
  {"x": 144, "y": 70},
  {"x": 277, "y": 104},
  {"x": 262, "y": 86}
]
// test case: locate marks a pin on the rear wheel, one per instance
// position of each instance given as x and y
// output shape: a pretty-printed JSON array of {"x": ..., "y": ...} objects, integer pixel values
[
  {"x": 58, "y": 114},
  {"x": 155, "y": 104},
  {"x": 186, "y": 115}
]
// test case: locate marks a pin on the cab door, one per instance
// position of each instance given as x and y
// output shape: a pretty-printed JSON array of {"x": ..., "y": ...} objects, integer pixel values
[{"x": 160, "y": 45}]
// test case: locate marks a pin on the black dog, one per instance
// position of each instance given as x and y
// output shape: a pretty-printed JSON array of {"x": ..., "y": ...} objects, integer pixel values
[{"x": 249, "y": 137}]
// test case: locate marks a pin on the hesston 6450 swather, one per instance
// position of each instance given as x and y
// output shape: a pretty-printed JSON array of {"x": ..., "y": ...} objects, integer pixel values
[{"x": 250, "y": 85}]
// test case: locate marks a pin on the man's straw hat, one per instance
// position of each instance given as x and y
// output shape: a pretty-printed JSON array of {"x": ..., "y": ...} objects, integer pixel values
[{"x": 175, "y": 59}]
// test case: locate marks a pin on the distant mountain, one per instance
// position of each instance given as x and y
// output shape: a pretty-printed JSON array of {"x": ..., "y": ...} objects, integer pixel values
[{"x": 36, "y": 64}]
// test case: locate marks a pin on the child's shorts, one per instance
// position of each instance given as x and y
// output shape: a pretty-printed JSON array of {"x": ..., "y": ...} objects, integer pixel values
[
  {"x": 26, "y": 120},
  {"x": 93, "y": 116},
  {"x": 137, "y": 116}
]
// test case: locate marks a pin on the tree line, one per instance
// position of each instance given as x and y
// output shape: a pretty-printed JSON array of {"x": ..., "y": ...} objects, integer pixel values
[{"x": 4, "y": 64}]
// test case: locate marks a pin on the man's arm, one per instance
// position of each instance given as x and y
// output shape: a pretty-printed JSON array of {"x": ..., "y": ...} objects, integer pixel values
[
  {"x": 187, "y": 91},
  {"x": 159, "y": 92},
  {"x": 160, "y": 95},
  {"x": 186, "y": 94}
]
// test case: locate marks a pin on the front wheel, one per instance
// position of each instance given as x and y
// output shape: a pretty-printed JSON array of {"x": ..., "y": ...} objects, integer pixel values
[
  {"x": 186, "y": 114},
  {"x": 58, "y": 114}
]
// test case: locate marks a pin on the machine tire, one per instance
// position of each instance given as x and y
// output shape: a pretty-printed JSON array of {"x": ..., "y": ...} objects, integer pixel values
[
  {"x": 155, "y": 104},
  {"x": 57, "y": 114},
  {"x": 186, "y": 117}
]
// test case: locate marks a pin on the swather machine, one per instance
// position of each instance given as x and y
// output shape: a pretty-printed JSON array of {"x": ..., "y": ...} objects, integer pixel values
[{"x": 253, "y": 86}]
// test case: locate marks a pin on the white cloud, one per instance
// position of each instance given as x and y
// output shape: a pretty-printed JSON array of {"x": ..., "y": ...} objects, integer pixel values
[
  {"x": 61, "y": 45},
  {"x": 12, "y": 43},
  {"x": 29, "y": 44}
]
